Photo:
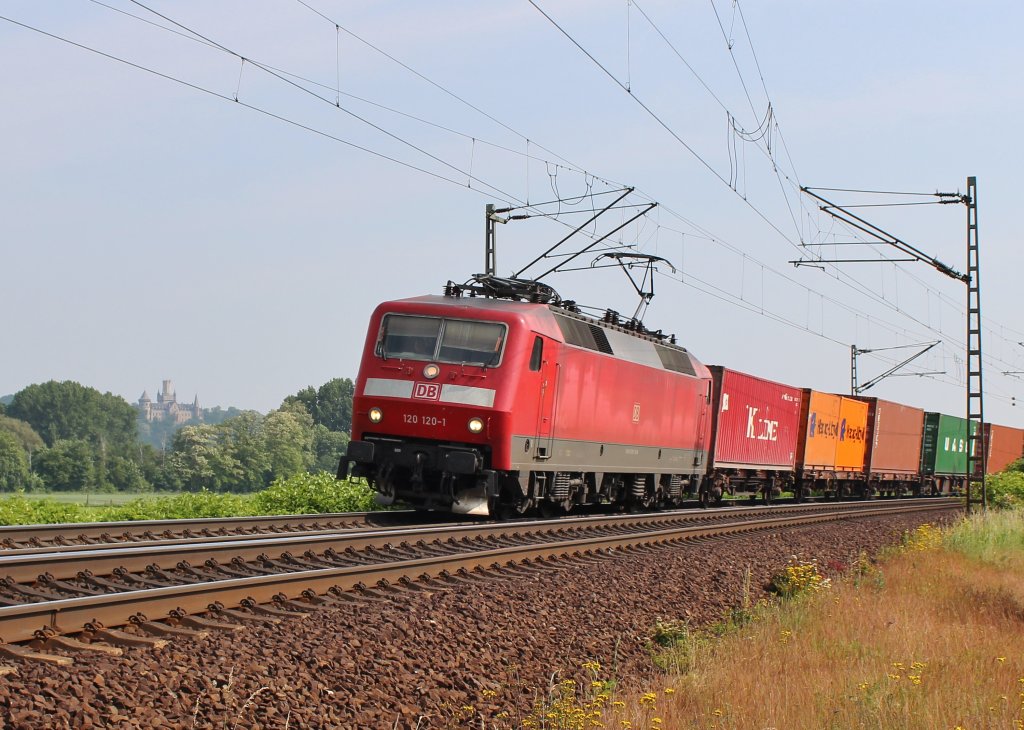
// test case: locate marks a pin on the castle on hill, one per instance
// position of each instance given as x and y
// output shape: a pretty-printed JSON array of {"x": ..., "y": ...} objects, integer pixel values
[{"x": 167, "y": 408}]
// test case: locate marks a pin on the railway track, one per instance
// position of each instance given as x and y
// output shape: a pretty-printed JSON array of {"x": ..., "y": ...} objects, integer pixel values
[
  {"x": 14, "y": 537},
  {"x": 158, "y": 588},
  {"x": 21, "y": 537}
]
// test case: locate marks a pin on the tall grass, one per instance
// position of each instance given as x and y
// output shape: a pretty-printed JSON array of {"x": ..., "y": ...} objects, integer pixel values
[
  {"x": 995, "y": 538},
  {"x": 931, "y": 638}
]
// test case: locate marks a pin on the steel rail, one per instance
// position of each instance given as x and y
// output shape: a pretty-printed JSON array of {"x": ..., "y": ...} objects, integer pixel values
[
  {"x": 22, "y": 622},
  {"x": 125, "y": 530},
  {"x": 64, "y": 563}
]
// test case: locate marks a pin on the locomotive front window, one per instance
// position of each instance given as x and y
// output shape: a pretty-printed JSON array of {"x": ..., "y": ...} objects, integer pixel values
[
  {"x": 473, "y": 343},
  {"x": 409, "y": 338},
  {"x": 441, "y": 340}
]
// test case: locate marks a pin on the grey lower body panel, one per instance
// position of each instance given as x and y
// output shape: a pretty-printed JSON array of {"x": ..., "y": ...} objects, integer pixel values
[{"x": 564, "y": 455}]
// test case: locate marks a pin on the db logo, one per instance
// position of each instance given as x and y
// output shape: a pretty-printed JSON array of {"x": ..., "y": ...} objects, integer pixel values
[
  {"x": 636, "y": 413},
  {"x": 427, "y": 391}
]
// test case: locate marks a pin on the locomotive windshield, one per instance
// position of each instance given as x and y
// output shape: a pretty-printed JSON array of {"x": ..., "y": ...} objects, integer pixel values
[{"x": 441, "y": 340}]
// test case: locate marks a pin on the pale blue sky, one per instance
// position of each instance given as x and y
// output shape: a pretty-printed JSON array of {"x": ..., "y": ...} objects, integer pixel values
[{"x": 150, "y": 231}]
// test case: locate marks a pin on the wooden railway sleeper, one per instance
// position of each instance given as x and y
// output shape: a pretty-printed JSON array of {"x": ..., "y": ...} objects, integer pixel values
[
  {"x": 314, "y": 599},
  {"x": 331, "y": 557},
  {"x": 132, "y": 579},
  {"x": 95, "y": 630},
  {"x": 289, "y": 562},
  {"x": 86, "y": 576},
  {"x": 357, "y": 558},
  {"x": 170, "y": 578},
  {"x": 350, "y": 597},
  {"x": 49, "y": 638},
  {"x": 218, "y": 609},
  {"x": 457, "y": 580},
  {"x": 416, "y": 586},
  {"x": 204, "y": 576},
  {"x": 511, "y": 570},
  {"x": 180, "y": 617},
  {"x": 261, "y": 610},
  {"x": 11, "y": 651},
  {"x": 361, "y": 590},
  {"x": 431, "y": 549},
  {"x": 48, "y": 580},
  {"x": 156, "y": 628},
  {"x": 256, "y": 568},
  {"x": 283, "y": 566},
  {"x": 14, "y": 587},
  {"x": 231, "y": 571},
  {"x": 296, "y": 607},
  {"x": 386, "y": 587}
]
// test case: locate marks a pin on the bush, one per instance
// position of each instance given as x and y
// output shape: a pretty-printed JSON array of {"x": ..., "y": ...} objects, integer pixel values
[
  {"x": 312, "y": 494},
  {"x": 1006, "y": 489},
  {"x": 18, "y": 510},
  {"x": 797, "y": 578},
  {"x": 187, "y": 506}
]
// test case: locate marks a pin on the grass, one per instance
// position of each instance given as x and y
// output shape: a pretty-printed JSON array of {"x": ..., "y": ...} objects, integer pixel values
[
  {"x": 934, "y": 638},
  {"x": 94, "y": 499}
]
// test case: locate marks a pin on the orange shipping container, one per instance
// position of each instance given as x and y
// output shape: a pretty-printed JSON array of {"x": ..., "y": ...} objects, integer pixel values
[
  {"x": 821, "y": 432},
  {"x": 853, "y": 431},
  {"x": 835, "y": 433}
]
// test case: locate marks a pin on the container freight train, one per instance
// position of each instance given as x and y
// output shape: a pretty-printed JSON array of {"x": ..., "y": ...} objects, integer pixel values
[{"x": 490, "y": 405}]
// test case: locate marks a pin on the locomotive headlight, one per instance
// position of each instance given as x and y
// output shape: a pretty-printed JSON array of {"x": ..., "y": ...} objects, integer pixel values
[
  {"x": 476, "y": 425},
  {"x": 431, "y": 371},
  {"x": 376, "y": 415}
]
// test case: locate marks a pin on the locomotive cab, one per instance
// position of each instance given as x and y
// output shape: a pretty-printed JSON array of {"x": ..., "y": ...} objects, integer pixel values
[{"x": 434, "y": 399}]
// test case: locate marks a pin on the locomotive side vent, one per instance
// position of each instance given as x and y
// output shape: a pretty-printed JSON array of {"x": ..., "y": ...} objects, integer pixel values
[
  {"x": 583, "y": 334},
  {"x": 675, "y": 360},
  {"x": 601, "y": 340}
]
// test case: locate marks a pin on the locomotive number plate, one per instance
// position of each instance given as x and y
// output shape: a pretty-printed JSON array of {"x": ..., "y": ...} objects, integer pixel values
[{"x": 418, "y": 420}]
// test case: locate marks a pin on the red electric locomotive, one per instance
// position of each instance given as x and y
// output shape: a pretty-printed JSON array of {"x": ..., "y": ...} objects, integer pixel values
[{"x": 498, "y": 397}]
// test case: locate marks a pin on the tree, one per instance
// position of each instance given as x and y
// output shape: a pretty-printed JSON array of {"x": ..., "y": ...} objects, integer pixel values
[
  {"x": 330, "y": 405},
  {"x": 23, "y": 432},
  {"x": 69, "y": 410},
  {"x": 67, "y": 466},
  {"x": 288, "y": 436},
  {"x": 328, "y": 446},
  {"x": 14, "y": 473}
]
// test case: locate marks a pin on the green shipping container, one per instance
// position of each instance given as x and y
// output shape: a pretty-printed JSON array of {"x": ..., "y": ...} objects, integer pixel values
[{"x": 945, "y": 445}]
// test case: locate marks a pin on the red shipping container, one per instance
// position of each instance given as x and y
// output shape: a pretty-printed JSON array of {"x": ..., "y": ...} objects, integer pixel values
[
  {"x": 756, "y": 422},
  {"x": 1004, "y": 446},
  {"x": 894, "y": 445}
]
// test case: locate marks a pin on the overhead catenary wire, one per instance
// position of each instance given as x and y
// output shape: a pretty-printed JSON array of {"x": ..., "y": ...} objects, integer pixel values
[{"x": 440, "y": 177}]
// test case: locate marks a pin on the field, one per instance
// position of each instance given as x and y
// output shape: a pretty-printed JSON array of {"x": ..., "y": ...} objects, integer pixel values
[
  {"x": 931, "y": 635},
  {"x": 95, "y": 499}
]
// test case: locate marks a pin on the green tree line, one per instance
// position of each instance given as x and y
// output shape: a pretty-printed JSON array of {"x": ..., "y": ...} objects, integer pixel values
[{"x": 64, "y": 436}]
